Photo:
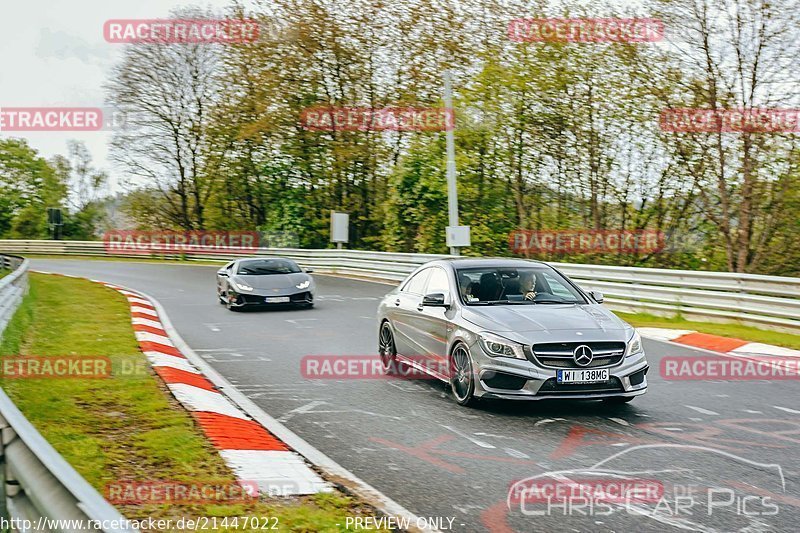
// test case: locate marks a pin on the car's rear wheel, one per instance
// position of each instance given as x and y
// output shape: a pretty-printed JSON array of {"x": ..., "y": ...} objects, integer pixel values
[
  {"x": 387, "y": 350},
  {"x": 462, "y": 381},
  {"x": 619, "y": 399}
]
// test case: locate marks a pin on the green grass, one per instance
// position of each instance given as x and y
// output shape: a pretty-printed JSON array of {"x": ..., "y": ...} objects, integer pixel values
[
  {"x": 747, "y": 333},
  {"x": 128, "y": 427}
]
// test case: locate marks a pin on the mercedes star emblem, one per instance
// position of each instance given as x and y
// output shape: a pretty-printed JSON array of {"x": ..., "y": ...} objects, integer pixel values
[{"x": 583, "y": 355}]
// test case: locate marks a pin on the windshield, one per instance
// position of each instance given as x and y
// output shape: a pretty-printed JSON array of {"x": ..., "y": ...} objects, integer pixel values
[
  {"x": 520, "y": 286},
  {"x": 265, "y": 267}
]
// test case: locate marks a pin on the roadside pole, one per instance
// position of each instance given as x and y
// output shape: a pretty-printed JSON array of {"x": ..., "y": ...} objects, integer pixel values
[{"x": 457, "y": 236}]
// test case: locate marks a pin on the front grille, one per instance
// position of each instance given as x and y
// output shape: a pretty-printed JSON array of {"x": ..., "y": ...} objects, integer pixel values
[
  {"x": 561, "y": 354},
  {"x": 551, "y": 386}
]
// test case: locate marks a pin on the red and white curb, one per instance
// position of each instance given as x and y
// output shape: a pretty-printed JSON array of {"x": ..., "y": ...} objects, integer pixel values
[
  {"x": 242, "y": 458},
  {"x": 247, "y": 447},
  {"x": 716, "y": 343}
]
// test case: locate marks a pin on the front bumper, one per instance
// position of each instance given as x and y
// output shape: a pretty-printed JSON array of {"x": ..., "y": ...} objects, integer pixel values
[
  {"x": 258, "y": 298},
  {"x": 516, "y": 379}
]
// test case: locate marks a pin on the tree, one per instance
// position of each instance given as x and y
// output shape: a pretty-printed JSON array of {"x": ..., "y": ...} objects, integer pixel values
[
  {"x": 28, "y": 185},
  {"x": 165, "y": 91}
]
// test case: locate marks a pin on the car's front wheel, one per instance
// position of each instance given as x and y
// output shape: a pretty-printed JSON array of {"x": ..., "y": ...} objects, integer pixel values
[
  {"x": 462, "y": 380},
  {"x": 387, "y": 350}
]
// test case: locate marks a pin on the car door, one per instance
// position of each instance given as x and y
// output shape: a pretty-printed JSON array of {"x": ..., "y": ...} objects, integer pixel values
[
  {"x": 433, "y": 322},
  {"x": 403, "y": 315}
]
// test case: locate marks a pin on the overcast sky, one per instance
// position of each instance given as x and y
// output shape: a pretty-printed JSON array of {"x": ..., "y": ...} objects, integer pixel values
[{"x": 52, "y": 53}]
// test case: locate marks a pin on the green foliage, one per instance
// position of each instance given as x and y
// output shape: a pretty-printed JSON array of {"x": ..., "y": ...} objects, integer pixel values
[
  {"x": 28, "y": 185},
  {"x": 549, "y": 136}
]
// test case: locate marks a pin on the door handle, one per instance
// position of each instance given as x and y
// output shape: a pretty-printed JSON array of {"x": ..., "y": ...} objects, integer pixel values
[
  {"x": 420, "y": 308},
  {"x": 397, "y": 302}
]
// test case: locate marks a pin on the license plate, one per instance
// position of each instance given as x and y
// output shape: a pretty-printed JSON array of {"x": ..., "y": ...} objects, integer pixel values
[
  {"x": 277, "y": 299},
  {"x": 582, "y": 376}
]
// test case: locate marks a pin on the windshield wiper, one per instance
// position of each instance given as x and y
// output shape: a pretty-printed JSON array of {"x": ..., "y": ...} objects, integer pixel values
[{"x": 557, "y": 302}]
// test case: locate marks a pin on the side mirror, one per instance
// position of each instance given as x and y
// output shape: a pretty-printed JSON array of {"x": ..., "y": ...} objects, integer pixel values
[
  {"x": 222, "y": 272},
  {"x": 597, "y": 296},
  {"x": 309, "y": 270},
  {"x": 436, "y": 299}
]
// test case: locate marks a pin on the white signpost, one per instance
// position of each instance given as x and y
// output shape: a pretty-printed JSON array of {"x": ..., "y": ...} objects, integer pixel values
[{"x": 340, "y": 228}]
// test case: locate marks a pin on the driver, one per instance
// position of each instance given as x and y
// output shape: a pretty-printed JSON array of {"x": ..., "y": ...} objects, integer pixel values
[
  {"x": 465, "y": 284},
  {"x": 526, "y": 285}
]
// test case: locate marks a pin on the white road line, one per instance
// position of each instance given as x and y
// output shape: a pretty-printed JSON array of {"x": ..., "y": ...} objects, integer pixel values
[
  {"x": 701, "y": 410},
  {"x": 516, "y": 453},
  {"x": 546, "y": 421},
  {"x": 786, "y": 409},
  {"x": 296, "y": 322},
  {"x": 302, "y": 409},
  {"x": 753, "y": 412},
  {"x": 619, "y": 421},
  {"x": 473, "y": 440}
]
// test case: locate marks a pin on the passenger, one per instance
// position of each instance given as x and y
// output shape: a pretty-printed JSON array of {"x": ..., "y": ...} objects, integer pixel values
[{"x": 527, "y": 285}]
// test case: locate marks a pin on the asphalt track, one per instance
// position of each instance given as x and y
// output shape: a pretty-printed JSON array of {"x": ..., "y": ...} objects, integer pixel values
[{"x": 724, "y": 454}]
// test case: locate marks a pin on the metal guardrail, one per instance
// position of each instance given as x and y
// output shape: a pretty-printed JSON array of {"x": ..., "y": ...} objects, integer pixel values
[
  {"x": 765, "y": 301},
  {"x": 40, "y": 490},
  {"x": 13, "y": 286}
]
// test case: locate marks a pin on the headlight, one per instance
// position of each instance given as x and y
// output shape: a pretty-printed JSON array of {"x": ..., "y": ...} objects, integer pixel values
[
  {"x": 243, "y": 287},
  {"x": 634, "y": 345},
  {"x": 303, "y": 284},
  {"x": 496, "y": 346}
]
